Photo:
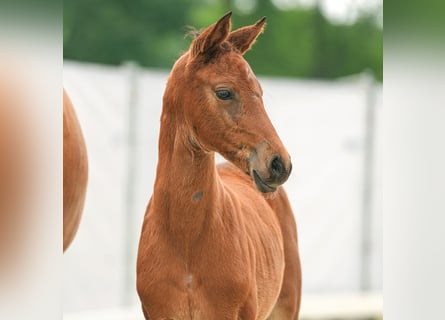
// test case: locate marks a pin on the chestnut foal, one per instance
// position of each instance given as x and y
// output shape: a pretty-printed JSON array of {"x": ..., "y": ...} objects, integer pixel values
[{"x": 213, "y": 245}]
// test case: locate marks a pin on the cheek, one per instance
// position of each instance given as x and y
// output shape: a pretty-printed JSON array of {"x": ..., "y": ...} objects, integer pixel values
[
  {"x": 232, "y": 109},
  {"x": 212, "y": 119},
  {"x": 206, "y": 121}
]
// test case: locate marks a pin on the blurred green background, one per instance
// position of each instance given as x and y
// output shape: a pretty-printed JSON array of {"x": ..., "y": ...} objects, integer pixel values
[{"x": 299, "y": 41}]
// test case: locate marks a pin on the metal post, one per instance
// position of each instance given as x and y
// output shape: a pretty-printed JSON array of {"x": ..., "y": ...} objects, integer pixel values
[
  {"x": 129, "y": 250},
  {"x": 368, "y": 185}
]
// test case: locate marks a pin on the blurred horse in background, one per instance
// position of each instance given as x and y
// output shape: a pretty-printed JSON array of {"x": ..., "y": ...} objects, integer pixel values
[{"x": 75, "y": 172}]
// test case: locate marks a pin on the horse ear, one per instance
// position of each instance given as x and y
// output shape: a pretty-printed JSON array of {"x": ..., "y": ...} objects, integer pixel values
[
  {"x": 210, "y": 39},
  {"x": 243, "y": 38}
]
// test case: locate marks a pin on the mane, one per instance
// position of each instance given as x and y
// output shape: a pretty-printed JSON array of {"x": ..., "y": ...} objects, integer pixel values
[{"x": 192, "y": 32}]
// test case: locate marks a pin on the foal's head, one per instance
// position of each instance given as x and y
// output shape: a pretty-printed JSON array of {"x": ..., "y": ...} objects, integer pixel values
[{"x": 213, "y": 88}]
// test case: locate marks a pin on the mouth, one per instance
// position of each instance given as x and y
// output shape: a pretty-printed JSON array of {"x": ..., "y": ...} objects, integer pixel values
[{"x": 261, "y": 185}]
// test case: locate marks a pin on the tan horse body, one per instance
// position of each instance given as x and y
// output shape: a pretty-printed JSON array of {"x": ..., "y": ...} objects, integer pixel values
[
  {"x": 75, "y": 172},
  {"x": 218, "y": 242}
]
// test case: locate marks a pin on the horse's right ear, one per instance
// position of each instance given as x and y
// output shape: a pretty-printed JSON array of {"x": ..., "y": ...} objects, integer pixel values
[
  {"x": 243, "y": 39},
  {"x": 209, "y": 40}
]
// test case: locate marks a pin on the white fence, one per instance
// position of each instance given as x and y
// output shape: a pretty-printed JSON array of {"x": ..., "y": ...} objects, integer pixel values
[{"x": 330, "y": 129}]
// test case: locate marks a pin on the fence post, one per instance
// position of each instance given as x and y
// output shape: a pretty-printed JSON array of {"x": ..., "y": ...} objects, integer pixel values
[{"x": 368, "y": 181}]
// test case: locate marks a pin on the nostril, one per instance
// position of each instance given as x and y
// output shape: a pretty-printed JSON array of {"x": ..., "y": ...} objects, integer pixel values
[{"x": 277, "y": 166}]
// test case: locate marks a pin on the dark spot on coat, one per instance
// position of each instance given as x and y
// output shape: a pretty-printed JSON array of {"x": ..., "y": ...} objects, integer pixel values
[{"x": 197, "y": 196}]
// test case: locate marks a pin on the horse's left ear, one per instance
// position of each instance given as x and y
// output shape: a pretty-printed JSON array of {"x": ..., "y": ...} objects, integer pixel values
[
  {"x": 211, "y": 38},
  {"x": 243, "y": 38}
]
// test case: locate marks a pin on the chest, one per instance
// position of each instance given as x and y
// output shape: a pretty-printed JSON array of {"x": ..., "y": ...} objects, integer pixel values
[{"x": 200, "y": 287}]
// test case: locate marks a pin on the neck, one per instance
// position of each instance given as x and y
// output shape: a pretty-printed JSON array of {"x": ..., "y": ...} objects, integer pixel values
[{"x": 186, "y": 186}]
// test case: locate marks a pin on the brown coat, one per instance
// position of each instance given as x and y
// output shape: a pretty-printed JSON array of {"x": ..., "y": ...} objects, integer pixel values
[{"x": 218, "y": 242}]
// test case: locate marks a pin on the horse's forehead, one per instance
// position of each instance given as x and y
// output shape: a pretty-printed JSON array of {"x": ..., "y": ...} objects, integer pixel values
[
  {"x": 233, "y": 65},
  {"x": 237, "y": 64}
]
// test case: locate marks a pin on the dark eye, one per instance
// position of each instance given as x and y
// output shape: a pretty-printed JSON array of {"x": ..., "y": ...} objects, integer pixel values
[{"x": 224, "y": 94}]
